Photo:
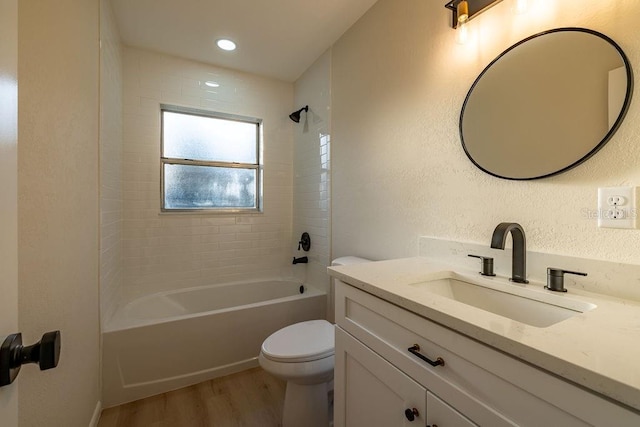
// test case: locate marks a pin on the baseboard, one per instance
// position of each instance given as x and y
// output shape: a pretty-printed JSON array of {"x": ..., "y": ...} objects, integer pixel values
[{"x": 96, "y": 415}]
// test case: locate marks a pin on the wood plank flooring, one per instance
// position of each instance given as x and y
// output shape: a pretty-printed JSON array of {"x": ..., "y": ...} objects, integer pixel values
[{"x": 251, "y": 398}]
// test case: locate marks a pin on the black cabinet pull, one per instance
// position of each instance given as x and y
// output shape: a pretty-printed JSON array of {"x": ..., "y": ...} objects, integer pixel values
[
  {"x": 415, "y": 350},
  {"x": 411, "y": 413}
]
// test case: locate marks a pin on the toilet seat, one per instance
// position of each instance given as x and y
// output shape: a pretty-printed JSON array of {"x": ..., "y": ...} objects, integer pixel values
[{"x": 300, "y": 342}]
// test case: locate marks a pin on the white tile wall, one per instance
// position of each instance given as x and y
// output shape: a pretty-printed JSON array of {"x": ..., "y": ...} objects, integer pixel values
[
  {"x": 170, "y": 251},
  {"x": 110, "y": 163},
  {"x": 312, "y": 138}
]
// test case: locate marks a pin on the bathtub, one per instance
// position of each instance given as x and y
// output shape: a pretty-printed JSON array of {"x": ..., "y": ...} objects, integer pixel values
[{"x": 170, "y": 340}]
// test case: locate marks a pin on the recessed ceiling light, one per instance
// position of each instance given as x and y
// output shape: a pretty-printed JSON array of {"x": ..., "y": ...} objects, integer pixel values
[
  {"x": 212, "y": 84},
  {"x": 226, "y": 44}
]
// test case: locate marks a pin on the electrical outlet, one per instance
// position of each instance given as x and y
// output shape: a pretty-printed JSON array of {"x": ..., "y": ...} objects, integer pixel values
[{"x": 617, "y": 207}]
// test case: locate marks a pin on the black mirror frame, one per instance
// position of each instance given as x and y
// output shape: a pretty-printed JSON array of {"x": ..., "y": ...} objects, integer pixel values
[{"x": 607, "y": 137}]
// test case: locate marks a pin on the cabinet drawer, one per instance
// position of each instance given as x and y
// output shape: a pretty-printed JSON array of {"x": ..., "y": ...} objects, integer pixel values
[
  {"x": 441, "y": 414},
  {"x": 489, "y": 387}
]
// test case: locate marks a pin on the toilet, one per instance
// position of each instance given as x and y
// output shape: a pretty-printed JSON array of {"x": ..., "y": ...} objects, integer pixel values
[{"x": 303, "y": 354}]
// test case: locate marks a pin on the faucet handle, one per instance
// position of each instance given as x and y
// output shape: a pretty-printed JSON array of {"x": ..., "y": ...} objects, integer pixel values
[
  {"x": 487, "y": 265},
  {"x": 555, "y": 279}
]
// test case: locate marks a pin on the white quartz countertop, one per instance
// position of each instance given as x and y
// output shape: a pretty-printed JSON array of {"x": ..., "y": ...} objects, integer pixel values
[{"x": 599, "y": 349}]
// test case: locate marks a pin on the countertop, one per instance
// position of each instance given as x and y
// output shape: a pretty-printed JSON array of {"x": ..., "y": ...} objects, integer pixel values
[{"x": 599, "y": 349}]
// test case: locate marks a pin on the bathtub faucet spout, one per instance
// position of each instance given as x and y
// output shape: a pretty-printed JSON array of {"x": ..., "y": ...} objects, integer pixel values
[{"x": 301, "y": 260}]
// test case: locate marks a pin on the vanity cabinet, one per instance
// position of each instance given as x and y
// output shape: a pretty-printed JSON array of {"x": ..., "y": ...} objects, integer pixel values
[
  {"x": 376, "y": 393},
  {"x": 377, "y": 378}
]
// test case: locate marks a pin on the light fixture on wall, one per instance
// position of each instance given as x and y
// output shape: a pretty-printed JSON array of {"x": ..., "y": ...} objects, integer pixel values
[
  {"x": 295, "y": 116},
  {"x": 463, "y": 11},
  {"x": 463, "y": 17}
]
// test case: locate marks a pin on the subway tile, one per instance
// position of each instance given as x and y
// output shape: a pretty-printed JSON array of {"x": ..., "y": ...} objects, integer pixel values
[
  {"x": 217, "y": 238},
  {"x": 228, "y": 220},
  {"x": 150, "y": 238},
  {"x": 235, "y": 245},
  {"x": 178, "y": 99},
  {"x": 207, "y": 247},
  {"x": 242, "y": 228}
]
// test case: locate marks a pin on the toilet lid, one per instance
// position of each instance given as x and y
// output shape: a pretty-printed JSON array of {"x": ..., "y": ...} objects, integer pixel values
[{"x": 301, "y": 342}]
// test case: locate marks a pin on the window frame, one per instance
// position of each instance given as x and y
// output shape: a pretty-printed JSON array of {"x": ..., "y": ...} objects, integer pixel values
[{"x": 258, "y": 166}]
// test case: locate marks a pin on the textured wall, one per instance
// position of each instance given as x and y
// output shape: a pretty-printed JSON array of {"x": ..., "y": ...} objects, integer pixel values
[
  {"x": 311, "y": 198},
  {"x": 110, "y": 162},
  {"x": 170, "y": 251},
  {"x": 399, "y": 80},
  {"x": 58, "y": 248}
]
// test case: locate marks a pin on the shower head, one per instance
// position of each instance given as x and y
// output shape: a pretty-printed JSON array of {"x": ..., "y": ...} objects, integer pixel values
[{"x": 295, "y": 116}]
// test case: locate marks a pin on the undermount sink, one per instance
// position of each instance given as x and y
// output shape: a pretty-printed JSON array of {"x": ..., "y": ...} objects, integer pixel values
[{"x": 533, "y": 307}]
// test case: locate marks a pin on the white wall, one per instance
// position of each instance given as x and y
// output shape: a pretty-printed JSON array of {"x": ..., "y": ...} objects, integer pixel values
[
  {"x": 169, "y": 251},
  {"x": 399, "y": 80},
  {"x": 9, "y": 192},
  {"x": 58, "y": 249},
  {"x": 312, "y": 169},
  {"x": 110, "y": 162}
]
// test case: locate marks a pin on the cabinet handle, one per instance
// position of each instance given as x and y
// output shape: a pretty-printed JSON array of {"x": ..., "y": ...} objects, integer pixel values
[
  {"x": 411, "y": 414},
  {"x": 415, "y": 350},
  {"x": 432, "y": 425}
]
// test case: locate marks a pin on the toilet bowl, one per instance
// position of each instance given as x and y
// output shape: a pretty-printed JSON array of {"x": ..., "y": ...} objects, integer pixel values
[{"x": 303, "y": 355}]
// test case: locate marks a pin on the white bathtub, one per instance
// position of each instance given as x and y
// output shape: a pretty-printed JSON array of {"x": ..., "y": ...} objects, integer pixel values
[{"x": 169, "y": 340}]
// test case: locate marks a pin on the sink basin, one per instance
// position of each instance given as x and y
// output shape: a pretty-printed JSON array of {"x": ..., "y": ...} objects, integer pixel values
[{"x": 533, "y": 307}]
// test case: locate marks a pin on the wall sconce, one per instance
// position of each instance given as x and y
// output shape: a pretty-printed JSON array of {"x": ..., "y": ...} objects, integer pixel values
[{"x": 465, "y": 10}]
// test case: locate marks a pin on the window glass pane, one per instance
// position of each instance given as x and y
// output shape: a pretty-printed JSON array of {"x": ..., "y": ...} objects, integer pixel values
[
  {"x": 187, "y": 136},
  {"x": 198, "y": 187}
]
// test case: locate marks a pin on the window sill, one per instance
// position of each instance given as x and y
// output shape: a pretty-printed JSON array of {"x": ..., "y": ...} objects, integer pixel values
[{"x": 212, "y": 212}]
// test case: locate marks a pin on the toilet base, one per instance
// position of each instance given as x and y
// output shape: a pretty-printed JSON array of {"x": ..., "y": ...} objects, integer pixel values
[{"x": 306, "y": 405}]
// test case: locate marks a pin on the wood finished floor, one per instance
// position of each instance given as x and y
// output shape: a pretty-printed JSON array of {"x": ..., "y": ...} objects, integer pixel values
[{"x": 251, "y": 398}]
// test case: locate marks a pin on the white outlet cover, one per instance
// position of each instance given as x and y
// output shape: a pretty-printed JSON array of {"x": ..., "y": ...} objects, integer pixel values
[{"x": 617, "y": 207}]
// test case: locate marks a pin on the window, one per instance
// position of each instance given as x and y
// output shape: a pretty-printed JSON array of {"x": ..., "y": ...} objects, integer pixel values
[{"x": 210, "y": 161}]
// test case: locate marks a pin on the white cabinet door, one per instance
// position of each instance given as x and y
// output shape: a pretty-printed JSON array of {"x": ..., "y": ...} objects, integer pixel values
[
  {"x": 442, "y": 415},
  {"x": 370, "y": 392}
]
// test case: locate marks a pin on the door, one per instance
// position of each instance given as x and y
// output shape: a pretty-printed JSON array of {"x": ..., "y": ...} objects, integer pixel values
[
  {"x": 8, "y": 193},
  {"x": 371, "y": 392}
]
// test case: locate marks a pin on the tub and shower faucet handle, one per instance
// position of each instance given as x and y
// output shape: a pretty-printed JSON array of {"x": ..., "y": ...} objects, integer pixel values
[
  {"x": 555, "y": 279},
  {"x": 487, "y": 265},
  {"x": 305, "y": 242}
]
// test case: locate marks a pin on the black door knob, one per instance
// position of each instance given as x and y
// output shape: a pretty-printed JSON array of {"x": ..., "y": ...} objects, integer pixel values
[
  {"x": 411, "y": 414},
  {"x": 46, "y": 353}
]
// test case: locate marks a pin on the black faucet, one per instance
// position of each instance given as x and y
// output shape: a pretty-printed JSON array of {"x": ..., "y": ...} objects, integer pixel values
[
  {"x": 301, "y": 260},
  {"x": 519, "y": 256}
]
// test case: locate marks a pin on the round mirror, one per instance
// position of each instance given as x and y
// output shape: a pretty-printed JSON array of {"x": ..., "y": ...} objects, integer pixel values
[{"x": 546, "y": 104}]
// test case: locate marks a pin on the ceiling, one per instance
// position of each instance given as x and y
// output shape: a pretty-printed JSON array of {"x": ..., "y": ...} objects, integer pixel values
[{"x": 275, "y": 38}]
